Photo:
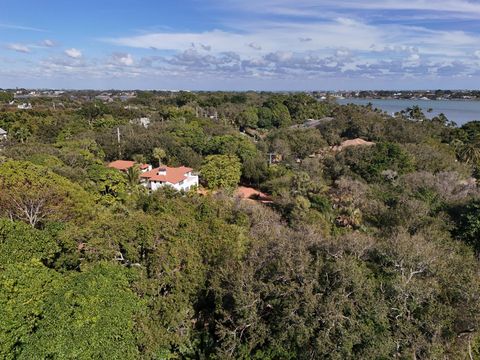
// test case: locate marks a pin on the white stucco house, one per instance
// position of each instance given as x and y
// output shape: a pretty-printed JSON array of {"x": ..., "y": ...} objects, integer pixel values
[
  {"x": 3, "y": 134},
  {"x": 180, "y": 178}
]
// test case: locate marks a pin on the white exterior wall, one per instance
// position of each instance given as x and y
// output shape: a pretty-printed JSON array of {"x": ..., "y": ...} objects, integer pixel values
[
  {"x": 154, "y": 185},
  {"x": 188, "y": 183}
]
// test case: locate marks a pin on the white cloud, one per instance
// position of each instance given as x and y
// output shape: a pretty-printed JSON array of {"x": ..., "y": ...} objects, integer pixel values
[
  {"x": 73, "y": 53},
  {"x": 453, "y": 6},
  {"x": 345, "y": 39},
  {"x": 271, "y": 35},
  {"x": 19, "y": 48},
  {"x": 217, "y": 39},
  {"x": 122, "y": 59},
  {"x": 352, "y": 35},
  {"x": 255, "y": 46},
  {"x": 325, "y": 8},
  {"x": 20, "y": 27},
  {"x": 342, "y": 53},
  {"x": 341, "y": 45},
  {"x": 48, "y": 43},
  {"x": 414, "y": 57}
]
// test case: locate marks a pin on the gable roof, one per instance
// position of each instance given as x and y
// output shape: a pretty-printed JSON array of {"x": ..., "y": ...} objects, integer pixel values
[
  {"x": 125, "y": 165},
  {"x": 356, "y": 142},
  {"x": 352, "y": 142},
  {"x": 2, "y": 132},
  {"x": 173, "y": 175}
]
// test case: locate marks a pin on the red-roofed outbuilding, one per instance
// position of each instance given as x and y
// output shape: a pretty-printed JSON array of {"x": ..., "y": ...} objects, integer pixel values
[{"x": 124, "y": 165}]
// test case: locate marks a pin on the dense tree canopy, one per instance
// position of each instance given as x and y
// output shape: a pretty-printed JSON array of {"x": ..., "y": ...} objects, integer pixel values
[
  {"x": 89, "y": 315},
  {"x": 221, "y": 171},
  {"x": 35, "y": 194},
  {"x": 341, "y": 252}
]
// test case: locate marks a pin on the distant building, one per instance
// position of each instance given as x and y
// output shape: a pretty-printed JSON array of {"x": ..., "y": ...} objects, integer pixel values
[
  {"x": 24, "y": 106},
  {"x": 180, "y": 178},
  {"x": 105, "y": 97},
  {"x": 312, "y": 123},
  {"x": 124, "y": 96},
  {"x": 144, "y": 121},
  {"x": 350, "y": 143},
  {"x": 124, "y": 165}
]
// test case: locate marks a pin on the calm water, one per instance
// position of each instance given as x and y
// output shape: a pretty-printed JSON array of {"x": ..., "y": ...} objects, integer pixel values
[{"x": 460, "y": 111}]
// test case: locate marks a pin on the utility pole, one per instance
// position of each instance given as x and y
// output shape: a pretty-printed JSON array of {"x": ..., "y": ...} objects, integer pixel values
[
  {"x": 118, "y": 141},
  {"x": 270, "y": 156}
]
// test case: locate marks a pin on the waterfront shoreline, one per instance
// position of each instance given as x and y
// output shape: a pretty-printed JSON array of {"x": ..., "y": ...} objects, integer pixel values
[{"x": 469, "y": 110}]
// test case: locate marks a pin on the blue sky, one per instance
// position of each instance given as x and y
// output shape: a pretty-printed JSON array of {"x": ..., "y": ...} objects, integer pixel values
[{"x": 240, "y": 45}]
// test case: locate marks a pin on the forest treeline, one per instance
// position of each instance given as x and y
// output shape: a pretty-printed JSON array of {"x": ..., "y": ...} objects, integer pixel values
[{"x": 365, "y": 252}]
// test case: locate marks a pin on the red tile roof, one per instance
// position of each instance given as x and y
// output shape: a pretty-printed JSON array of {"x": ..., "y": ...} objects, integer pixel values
[
  {"x": 173, "y": 175},
  {"x": 125, "y": 165},
  {"x": 248, "y": 193}
]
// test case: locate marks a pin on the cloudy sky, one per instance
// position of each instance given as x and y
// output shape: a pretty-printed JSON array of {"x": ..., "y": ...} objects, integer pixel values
[{"x": 240, "y": 44}]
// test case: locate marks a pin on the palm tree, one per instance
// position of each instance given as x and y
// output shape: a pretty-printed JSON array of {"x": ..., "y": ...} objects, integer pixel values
[
  {"x": 468, "y": 153},
  {"x": 415, "y": 113},
  {"x": 22, "y": 134},
  {"x": 133, "y": 175},
  {"x": 159, "y": 154}
]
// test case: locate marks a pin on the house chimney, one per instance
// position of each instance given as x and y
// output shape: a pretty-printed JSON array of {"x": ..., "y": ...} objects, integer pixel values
[{"x": 162, "y": 171}]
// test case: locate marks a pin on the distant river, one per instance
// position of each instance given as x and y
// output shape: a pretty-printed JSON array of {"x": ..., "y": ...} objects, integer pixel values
[{"x": 460, "y": 111}]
